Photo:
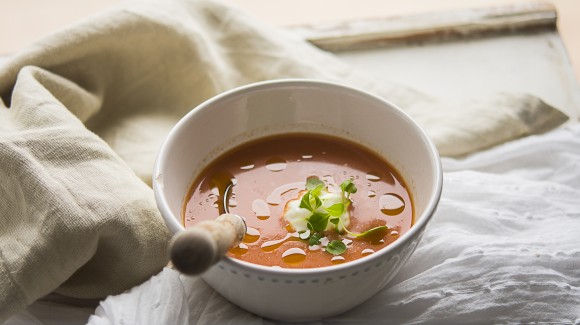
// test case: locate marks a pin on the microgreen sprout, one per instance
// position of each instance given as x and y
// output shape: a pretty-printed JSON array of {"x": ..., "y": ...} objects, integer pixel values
[
  {"x": 336, "y": 247},
  {"x": 321, "y": 215},
  {"x": 315, "y": 239},
  {"x": 314, "y": 182}
]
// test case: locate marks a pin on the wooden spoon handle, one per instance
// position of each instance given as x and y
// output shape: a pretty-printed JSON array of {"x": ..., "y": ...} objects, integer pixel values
[{"x": 197, "y": 248}]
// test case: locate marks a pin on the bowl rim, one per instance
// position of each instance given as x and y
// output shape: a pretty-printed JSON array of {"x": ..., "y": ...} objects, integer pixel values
[{"x": 416, "y": 228}]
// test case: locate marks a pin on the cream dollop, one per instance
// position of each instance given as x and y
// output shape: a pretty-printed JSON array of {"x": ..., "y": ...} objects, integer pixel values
[{"x": 297, "y": 217}]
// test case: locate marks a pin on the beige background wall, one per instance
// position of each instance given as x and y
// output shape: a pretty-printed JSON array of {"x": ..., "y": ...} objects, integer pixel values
[{"x": 23, "y": 21}]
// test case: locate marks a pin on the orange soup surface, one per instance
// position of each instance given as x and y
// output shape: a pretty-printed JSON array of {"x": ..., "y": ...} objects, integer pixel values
[{"x": 270, "y": 172}]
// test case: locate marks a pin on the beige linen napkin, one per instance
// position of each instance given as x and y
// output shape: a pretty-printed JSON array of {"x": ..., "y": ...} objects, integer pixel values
[{"x": 84, "y": 111}]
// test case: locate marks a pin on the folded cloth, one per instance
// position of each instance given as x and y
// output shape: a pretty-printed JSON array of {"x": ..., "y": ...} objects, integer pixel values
[
  {"x": 84, "y": 111},
  {"x": 501, "y": 249}
]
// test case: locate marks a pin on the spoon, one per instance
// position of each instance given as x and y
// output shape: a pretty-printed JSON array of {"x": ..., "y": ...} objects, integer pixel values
[{"x": 195, "y": 249}]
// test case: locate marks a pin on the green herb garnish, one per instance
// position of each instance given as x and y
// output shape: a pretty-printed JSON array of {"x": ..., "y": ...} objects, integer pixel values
[
  {"x": 336, "y": 210},
  {"x": 348, "y": 187},
  {"x": 373, "y": 234},
  {"x": 313, "y": 182},
  {"x": 320, "y": 216},
  {"x": 310, "y": 201},
  {"x": 315, "y": 239},
  {"x": 317, "y": 221},
  {"x": 336, "y": 247}
]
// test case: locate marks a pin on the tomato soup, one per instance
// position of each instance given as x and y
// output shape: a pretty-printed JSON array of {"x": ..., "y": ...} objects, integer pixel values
[{"x": 267, "y": 174}]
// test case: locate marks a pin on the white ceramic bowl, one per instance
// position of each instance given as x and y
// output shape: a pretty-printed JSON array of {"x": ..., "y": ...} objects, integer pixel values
[{"x": 285, "y": 106}]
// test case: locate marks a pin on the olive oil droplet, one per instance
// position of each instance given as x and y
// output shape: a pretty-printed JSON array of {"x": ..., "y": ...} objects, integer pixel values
[
  {"x": 391, "y": 204},
  {"x": 239, "y": 250},
  {"x": 294, "y": 255},
  {"x": 261, "y": 209},
  {"x": 275, "y": 244},
  {"x": 373, "y": 177},
  {"x": 276, "y": 164},
  {"x": 247, "y": 166},
  {"x": 338, "y": 260},
  {"x": 252, "y": 235},
  {"x": 367, "y": 251}
]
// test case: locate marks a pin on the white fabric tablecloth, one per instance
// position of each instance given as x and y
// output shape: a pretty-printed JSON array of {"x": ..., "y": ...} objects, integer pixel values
[{"x": 503, "y": 247}]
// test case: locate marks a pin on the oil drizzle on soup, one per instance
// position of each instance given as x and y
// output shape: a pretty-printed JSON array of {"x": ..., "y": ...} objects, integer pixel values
[{"x": 270, "y": 172}]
